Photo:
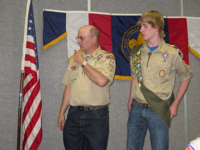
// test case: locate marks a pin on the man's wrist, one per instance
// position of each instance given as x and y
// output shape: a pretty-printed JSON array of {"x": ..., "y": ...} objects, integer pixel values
[{"x": 84, "y": 64}]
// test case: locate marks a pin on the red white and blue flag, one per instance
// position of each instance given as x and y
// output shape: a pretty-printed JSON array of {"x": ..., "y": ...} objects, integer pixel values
[
  {"x": 32, "y": 102},
  {"x": 118, "y": 34}
]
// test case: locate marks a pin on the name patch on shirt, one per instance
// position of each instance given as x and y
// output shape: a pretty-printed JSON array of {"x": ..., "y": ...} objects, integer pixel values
[{"x": 100, "y": 61}]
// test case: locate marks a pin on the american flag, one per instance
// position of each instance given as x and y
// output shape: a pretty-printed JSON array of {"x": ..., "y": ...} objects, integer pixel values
[{"x": 32, "y": 102}]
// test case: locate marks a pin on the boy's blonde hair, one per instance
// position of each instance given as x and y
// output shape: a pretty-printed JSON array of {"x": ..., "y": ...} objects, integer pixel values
[{"x": 155, "y": 19}]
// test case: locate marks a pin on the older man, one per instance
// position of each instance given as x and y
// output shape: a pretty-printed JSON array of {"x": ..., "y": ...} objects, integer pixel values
[{"x": 88, "y": 78}]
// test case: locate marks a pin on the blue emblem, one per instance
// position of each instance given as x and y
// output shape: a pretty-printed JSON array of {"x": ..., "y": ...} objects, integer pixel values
[
  {"x": 99, "y": 56},
  {"x": 131, "y": 38},
  {"x": 165, "y": 55}
]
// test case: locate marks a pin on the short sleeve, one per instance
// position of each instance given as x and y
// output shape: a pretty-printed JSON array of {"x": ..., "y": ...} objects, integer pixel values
[
  {"x": 71, "y": 73},
  {"x": 109, "y": 67},
  {"x": 66, "y": 80},
  {"x": 182, "y": 69}
]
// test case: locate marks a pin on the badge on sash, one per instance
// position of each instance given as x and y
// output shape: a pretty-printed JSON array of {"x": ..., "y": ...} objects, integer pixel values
[{"x": 141, "y": 61}]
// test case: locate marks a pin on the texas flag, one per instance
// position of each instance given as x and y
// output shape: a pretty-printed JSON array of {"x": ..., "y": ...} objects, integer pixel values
[{"x": 118, "y": 34}]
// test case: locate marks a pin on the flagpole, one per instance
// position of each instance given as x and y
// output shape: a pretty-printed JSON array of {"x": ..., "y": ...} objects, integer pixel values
[
  {"x": 89, "y": 5},
  {"x": 20, "y": 110},
  {"x": 22, "y": 78},
  {"x": 185, "y": 99}
]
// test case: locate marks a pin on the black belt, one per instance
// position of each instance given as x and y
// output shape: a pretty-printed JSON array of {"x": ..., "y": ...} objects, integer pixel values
[
  {"x": 141, "y": 104},
  {"x": 88, "y": 108}
]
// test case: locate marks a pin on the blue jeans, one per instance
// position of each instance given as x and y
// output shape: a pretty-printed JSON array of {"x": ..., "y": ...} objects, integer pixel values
[
  {"x": 140, "y": 119},
  {"x": 86, "y": 130}
]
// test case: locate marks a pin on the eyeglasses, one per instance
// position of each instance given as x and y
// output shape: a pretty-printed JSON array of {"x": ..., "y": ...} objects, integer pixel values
[{"x": 81, "y": 38}]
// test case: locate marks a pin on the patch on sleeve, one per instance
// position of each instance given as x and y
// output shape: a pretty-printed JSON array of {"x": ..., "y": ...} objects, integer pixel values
[
  {"x": 110, "y": 57},
  {"x": 181, "y": 54},
  {"x": 110, "y": 70},
  {"x": 188, "y": 67}
]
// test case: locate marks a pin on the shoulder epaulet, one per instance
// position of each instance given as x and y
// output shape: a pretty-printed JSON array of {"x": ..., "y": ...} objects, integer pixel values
[
  {"x": 178, "y": 50},
  {"x": 107, "y": 52},
  {"x": 174, "y": 46},
  {"x": 135, "y": 49}
]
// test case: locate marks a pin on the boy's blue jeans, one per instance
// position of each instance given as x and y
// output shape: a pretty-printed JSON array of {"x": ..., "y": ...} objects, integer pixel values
[{"x": 143, "y": 118}]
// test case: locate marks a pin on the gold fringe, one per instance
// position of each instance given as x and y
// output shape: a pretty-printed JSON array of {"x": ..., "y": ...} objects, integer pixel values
[
  {"x": 55, "y": 41},
  {"x": 194, "y": 52},
  {"x": 118, "y": 77}
]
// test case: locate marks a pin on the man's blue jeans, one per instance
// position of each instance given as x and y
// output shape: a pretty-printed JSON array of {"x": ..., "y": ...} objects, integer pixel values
[
  {"x": 86, "y": 130},
  {"x": 143, "y": 118}
]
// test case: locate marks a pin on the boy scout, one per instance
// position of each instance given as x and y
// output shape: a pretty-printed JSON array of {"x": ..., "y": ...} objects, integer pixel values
[
  {"x": 88, "y": 78},
  {"x": 151, "y": 103}
]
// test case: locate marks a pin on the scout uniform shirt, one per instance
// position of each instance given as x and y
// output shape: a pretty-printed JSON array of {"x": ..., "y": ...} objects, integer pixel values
[
  {"x": 84, "y": 92},
  {"x": 158, "y": 71}
]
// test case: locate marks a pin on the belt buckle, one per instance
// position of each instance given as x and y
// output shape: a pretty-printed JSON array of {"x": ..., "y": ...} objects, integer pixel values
[
  {"x": 145, "y": 105},
  {"x": 81, "y": 108}
]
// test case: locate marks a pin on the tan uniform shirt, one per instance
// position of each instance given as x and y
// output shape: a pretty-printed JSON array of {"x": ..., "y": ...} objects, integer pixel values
[
  {"x": 159, "y": 75},
  {"x": 83, "y": 91}
]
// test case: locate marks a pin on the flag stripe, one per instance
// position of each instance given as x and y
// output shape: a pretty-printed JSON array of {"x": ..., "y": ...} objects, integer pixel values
[
  {"x": 30, "y": 58},
  {"x": 31, "y": 99},
  {"x": 73, "y": 22},
  {"x": 178, "y": 35},
  {"x": 31, "y": 126},
  {"x": 57, "y": 25},
  {"x": 36, "y": 141},
  {"x": 32, "y": 112},
  {"x": 30, "y": 45},
  {"x": 193, "y": 25},
  {"x": 103, "y": 24},
  {"x": 29, "y": 85}
]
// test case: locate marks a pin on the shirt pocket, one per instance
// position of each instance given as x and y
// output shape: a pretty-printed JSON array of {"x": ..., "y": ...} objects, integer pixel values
[
  {"x": 161, "y": 73},
  {"x": 73, "y": 74}
]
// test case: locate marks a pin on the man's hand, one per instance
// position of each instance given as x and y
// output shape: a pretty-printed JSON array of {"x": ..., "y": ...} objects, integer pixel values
[
  {"x": 78, "y": 57},
  {"x": 129, "y": 106},
  {"x": 64, "y": 106},
  {"x": 61, "y": 121}
]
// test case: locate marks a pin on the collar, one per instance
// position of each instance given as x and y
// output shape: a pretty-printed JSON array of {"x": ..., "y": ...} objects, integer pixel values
[
  {"x": 94, "y": 54},
  {"x": 160, "y": 49}
]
